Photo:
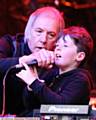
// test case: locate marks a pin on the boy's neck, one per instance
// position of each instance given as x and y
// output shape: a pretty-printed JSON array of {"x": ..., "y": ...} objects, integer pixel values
[{"x": 66, "y": 70}]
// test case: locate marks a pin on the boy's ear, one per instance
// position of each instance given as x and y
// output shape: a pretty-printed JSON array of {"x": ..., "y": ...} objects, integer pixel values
[{"x": 80, "y": 56}]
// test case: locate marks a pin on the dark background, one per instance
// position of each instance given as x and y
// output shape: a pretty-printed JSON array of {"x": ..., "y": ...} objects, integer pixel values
[{"x": 14, "y": 16}]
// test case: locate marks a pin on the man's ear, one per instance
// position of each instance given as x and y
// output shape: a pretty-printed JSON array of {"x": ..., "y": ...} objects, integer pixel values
[{"x": 80, "y": 56}]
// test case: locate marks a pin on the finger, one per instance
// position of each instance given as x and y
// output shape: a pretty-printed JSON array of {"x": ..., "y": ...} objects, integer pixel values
[
  {"x": 45, "y": 56},
  {"x": 20, "y": 74},
  {"x": 41, "y": 58},
  {"x": 49, "y": 55},
  {"x": 26, "y": 66},
  {"x": 18, "y": 65},
  {"x": 35, "y": 71},
  {"x": 52, "y": 57}
]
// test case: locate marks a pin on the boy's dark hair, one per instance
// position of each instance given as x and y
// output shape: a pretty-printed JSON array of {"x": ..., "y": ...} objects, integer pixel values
[{"x": 82, "y": 40}]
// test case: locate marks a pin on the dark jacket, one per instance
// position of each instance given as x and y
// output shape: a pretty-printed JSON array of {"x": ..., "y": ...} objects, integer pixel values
[
  {"x": 72, "y": 87},
  {"x": 11, "y": 48}
]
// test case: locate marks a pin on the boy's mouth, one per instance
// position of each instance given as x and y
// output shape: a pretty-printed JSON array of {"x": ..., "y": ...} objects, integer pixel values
[{"x": 58, "y": 56}]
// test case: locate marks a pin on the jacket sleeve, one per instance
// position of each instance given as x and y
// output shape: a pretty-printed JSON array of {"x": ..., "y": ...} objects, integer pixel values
[
  {"x": 6, "y": 53},
  {"x": 74, "y": 92}
]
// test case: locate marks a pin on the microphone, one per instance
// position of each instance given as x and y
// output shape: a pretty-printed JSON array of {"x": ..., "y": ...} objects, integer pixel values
[{"x": 33, "y": 62}]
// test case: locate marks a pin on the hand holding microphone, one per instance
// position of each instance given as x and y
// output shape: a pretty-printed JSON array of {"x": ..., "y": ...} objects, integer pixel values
[
  {"x": 42, "y": 58},
  {"x": 31, "y": 63}
]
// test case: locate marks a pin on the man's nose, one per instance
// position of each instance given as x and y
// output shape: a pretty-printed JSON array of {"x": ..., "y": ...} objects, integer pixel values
[{"x": 44, "y": 37}]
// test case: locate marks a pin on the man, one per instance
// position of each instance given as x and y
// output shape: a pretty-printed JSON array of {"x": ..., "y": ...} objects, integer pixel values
[{"x": 37, "y": 43}]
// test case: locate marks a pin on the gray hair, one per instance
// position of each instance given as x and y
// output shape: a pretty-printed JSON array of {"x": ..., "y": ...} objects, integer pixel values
[{"x": 50, "y": 11}]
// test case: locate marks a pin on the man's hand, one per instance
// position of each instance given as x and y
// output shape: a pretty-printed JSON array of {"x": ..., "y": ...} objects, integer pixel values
[{"x": 45, "y": 58}]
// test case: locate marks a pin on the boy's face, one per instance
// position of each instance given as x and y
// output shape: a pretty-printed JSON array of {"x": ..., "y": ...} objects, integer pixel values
[
  {"x": 66, "y": 53},
  {"x": 43, "y": 33}
]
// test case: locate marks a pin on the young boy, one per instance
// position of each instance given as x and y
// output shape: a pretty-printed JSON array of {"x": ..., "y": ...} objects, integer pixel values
[{"x": 73, "y": 84}]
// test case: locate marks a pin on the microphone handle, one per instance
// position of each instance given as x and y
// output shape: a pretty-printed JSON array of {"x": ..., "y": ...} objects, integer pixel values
[{"x": 33, "y": 62}]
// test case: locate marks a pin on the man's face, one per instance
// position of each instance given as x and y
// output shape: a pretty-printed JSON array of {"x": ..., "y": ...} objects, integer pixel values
[
  {"x": 43, "y": 33},
  {"x": 65, "y": 53}
]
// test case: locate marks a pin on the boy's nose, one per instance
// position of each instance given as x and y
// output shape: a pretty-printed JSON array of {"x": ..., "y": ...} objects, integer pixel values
[{"x": 57, "y": 48}]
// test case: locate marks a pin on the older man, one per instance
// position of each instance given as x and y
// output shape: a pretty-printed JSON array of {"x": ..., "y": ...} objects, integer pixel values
[{"x": 37, "y": 43}]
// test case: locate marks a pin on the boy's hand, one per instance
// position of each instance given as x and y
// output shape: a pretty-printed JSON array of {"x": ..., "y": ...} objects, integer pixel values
[{"x": 28, "y": 75}]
